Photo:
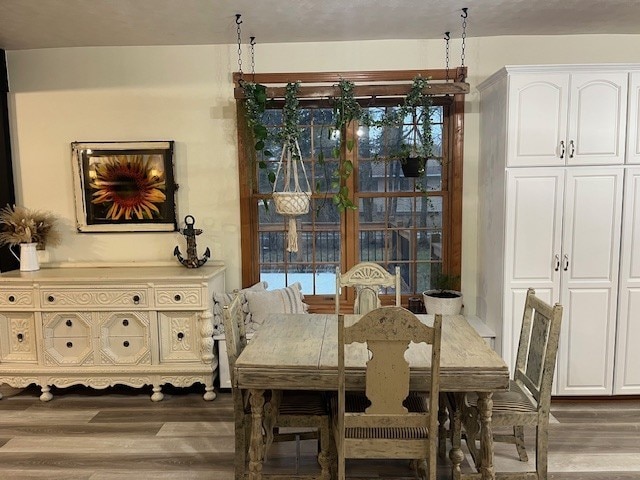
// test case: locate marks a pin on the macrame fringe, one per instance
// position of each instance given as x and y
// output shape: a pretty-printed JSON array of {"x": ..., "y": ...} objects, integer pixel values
[{"x": 292, "y": 236}]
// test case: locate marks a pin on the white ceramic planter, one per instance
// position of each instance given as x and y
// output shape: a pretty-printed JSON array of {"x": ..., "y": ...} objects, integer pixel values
[{"x": 443, "y": 306}]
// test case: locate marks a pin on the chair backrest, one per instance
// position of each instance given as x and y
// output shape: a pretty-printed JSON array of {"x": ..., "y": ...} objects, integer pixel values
[
  {"x": 234, "y": 332},
  {"x": 538, "y": 346},
  {"x": 387, "y": 331},
  {"x": 367, "y": 278}
]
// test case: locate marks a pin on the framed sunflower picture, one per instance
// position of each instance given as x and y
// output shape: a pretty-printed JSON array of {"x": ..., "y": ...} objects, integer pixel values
[{"x": 124, "y": 186}]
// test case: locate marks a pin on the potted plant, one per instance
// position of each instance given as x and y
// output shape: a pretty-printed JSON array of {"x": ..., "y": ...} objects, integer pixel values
[{"x": 444, "y": 298}]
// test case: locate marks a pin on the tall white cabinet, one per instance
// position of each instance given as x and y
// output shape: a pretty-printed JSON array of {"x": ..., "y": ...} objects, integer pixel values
[{"x": 553, "y": 160}]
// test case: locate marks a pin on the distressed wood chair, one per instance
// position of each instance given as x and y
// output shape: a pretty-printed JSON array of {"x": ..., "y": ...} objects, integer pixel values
[
  {"x": 367, "y": 278},
  {"x": 528, "y": 400},
  {"x": 395, "y": 424},
  {"x": 303, "y": 410}
]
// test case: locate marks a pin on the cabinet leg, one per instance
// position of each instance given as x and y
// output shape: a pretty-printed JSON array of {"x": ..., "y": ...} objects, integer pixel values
[
  {"x": 157, "y": 393},
  {"x": 209, "y": 394},
  {"x": 46, "y": 393}
]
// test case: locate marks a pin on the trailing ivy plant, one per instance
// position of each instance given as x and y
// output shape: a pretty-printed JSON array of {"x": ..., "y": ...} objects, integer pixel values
[{"x": 255, "y": 104}]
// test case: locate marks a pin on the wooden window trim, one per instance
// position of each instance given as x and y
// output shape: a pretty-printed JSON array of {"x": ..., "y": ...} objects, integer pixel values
[{"x": 456, "y": 88}]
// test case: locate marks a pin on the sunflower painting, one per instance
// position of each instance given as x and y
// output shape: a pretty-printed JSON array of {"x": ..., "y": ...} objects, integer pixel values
[{"x": 124, "y": 188}]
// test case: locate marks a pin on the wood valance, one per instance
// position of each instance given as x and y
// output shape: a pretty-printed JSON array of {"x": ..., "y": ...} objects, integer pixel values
[{"x": 367, "y": 83}]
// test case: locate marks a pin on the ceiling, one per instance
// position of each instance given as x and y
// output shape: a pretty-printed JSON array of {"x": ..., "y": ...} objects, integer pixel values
[{"x": 29, "y": 24}]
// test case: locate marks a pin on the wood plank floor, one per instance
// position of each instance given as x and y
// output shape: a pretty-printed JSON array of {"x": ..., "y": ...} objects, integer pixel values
[{"x": 118, "y": 433}]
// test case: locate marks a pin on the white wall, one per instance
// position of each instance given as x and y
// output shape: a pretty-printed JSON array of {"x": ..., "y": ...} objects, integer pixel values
[{"x": 185, "y": 93}]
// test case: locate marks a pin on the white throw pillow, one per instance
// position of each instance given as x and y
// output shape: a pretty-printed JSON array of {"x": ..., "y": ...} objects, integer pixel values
[
  {"x": 283, "y": 300},
  {"x": 221, "y": 299}
]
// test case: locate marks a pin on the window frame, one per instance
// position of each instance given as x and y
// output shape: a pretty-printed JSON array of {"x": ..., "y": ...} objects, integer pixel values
[{"x": 442, "y": 82}]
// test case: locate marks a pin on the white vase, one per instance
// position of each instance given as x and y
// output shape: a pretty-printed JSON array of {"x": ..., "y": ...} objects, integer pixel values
[
  {"x": 443, "y": 306},
  {"x": 28, "y": 257}
]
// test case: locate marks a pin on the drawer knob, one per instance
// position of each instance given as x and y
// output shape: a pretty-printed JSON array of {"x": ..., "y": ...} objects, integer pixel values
[
  {"x": 20, "y": 337},
  {"x": 69, "y": 344},
  {"x": 125, "y": 343},
  {"x": 178, "y": 297},
  {"x": 68, "y": 323},
  {"x": 136, "y": 299},
  {"x": 12, "y": 298},
  {"x": 51, "y": 298},
  {"x": 125, "y": 322},
  {"x": 180, "y": 336}
]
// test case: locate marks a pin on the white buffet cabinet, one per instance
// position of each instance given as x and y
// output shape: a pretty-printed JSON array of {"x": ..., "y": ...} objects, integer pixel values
[
  {"x": 558, "y": 211},
  {"x": 101, "y": 326}
]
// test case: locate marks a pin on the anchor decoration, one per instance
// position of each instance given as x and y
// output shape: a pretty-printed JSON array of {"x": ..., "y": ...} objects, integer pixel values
[{"x": 192, "y": 260}]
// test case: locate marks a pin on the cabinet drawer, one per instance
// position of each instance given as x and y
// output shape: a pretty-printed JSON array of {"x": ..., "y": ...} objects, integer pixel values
[
  {"x": 17, "y": 337},
  {"x": 125, "y": 350},
  {"x": 68, "y": 351},
  {"x": 178, "y": 296},
  {"x": 16, "y": 297},
  {"x": 124, "y": 324},
  {"x": 135, "y": 296},
  {"x": 66, "y": 324}
]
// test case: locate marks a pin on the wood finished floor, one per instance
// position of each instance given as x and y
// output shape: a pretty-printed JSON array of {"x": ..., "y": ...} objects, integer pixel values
[{"x": 118, "y": 433}]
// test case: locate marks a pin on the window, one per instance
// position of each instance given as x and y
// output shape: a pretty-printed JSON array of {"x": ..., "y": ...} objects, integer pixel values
[{"x": 414, "y": 223}]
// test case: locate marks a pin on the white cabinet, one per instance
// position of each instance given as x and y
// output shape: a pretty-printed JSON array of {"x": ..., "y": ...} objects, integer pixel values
[
  {"x": 561, "y": 118},
  {"x": 633, "y": 138},
  {"x": 103, "y": 326},
  {"x": 627, "y": 375},
  {"x": 555, "y": 224}
]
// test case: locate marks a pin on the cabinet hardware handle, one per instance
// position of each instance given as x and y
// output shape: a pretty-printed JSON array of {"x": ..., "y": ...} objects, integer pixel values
[
  {"x": 69, "y": 344},
  {"x": 125, "y": 343},
  {"x": 561, "y": 148},
  {"x": 180, "y": 336},
  {"x": 136, "y": 299},
  {"x": 125, "y": 322},
  {"x": 566, "y": 262},
  {"x": 51, "y": 298},
  {"x": 557, "y": 267},
  {"x": 20, "y": 337},
  {"x": 573, "y": 149},
  {"x": 68, "y": 323},
  {"x": 12, "y": 298},
  {"x": 177, "y": 298}
]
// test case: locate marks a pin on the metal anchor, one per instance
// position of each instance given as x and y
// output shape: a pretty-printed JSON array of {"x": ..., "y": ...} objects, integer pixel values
[{"x": 192, "y": 260}]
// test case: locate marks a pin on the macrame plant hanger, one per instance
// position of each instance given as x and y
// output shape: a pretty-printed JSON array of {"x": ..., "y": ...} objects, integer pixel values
[{"x": 292, "y": 201}]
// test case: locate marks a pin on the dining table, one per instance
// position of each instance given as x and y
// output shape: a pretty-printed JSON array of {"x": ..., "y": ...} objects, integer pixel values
[{"x": 300, "y": 352}]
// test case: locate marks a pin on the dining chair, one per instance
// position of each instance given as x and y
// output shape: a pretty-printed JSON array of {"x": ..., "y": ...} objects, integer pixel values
[
  {"x": 528, "y": 400},
  {"x": 367, "y": 278},
  {"x": 387, "y": 421},
  {"x": 300, "y": 410}
]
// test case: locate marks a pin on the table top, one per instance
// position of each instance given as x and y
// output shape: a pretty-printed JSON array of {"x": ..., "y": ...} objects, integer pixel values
[{"x": 300, "y": 351}]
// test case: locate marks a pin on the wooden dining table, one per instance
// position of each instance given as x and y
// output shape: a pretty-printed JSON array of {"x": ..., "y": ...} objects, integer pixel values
[{"x": 299, "y": 352}]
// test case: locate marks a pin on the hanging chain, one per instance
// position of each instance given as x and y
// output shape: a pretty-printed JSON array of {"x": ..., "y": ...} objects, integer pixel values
[
  {"x": 464, "y": 33},
  {"x": 447, "y": 37},
  {"x": 238, "y": 22},
  {"x": 252, "y": 43}
]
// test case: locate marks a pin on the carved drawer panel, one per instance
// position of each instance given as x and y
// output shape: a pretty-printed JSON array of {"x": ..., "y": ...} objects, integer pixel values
[
  {"x": 16, "y": 297},
  {"x": 124, "y": 338},
  {"x": 17, "y": 337},
  {"x": 136, "y": 296},
  {"x": 67, "y": 338},
  {"x": 178, "y": 296},
  {"x": 179, "y": 337}
]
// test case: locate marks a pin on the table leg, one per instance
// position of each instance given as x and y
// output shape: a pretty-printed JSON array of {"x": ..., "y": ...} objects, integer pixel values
[
  {"x": 256, "y": 445},
  {"x": 455, "y": 426},
  {"x": 485, "y": 406}
]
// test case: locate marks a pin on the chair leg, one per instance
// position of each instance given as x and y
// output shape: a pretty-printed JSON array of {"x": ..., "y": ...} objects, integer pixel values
[
  {"x": 443, "y": 415},
  {"x": 325, "y": 455},
  {"x": 518, "y": 434},
  {"x": 542, "y": 445},
  {"x": 241, "y": 434}
]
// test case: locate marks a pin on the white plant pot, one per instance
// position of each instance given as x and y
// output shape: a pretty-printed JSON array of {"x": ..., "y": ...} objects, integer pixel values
[{"x": 443, "y": 306}]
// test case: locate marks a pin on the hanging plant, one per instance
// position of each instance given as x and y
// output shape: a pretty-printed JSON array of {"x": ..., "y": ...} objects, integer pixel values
[
  {"x": 255, "y": 104},
  {"x": 291, "y": 201}
]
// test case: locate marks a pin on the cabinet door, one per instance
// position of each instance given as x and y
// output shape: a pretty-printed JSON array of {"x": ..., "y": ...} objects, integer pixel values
[
  {"x": 179, "y": 337},
  {"x": 590, "y": 250},
  {"x": 597, "y": 118},
  {"x": 633, "y": 135},
  {"x": 532, "y": 244},
  {"x": 537, "y": 125},
  {"x": 627, "y": 375},
  {"x": 17, "y": 337}
]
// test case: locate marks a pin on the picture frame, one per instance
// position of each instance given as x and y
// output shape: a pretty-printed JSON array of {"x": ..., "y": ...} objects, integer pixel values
[{"x": 124, "y": 186}]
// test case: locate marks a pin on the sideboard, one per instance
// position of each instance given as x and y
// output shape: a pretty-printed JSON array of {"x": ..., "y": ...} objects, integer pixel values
[{"x": 101, "y": 326}]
